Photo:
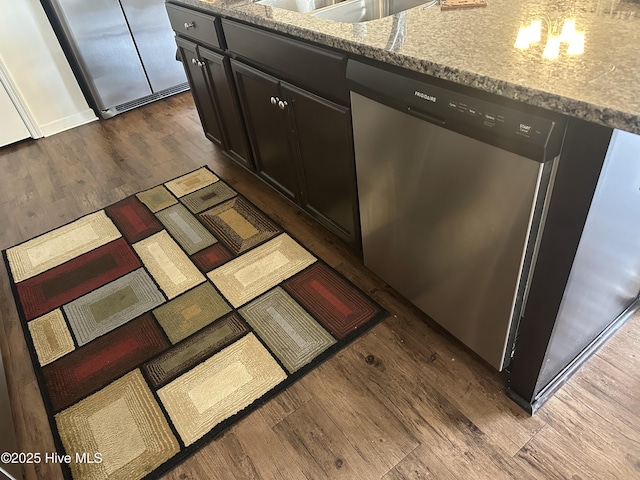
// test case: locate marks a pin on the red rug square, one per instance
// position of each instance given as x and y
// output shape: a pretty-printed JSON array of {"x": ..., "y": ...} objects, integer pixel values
[
  {"x": 103, "y": 360},
  {"x": 73, "y": 279},
  {"x": 133, "y": 219},
  {"x": 331, "y": 299}
]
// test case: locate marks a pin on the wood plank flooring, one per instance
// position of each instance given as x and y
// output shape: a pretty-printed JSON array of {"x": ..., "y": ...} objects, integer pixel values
[{"x": 403, "y": 402}]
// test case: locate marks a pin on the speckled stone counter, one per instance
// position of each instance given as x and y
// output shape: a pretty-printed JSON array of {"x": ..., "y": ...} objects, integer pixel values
[{"x": 475, "y": 47}]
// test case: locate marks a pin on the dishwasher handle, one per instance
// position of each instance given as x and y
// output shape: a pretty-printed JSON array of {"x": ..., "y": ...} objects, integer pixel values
[{"x": 426, "y": 116}]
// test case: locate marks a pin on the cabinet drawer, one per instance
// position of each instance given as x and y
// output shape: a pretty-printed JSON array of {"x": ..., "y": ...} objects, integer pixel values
[
  {"x": 316, "y": 69},
  {"x": 198, "y": 26}
]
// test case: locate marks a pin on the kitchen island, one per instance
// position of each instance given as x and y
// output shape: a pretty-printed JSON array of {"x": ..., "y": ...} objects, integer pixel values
[
  {"x": 475, "y": 47},
  {"x": 575, "y": 293}
]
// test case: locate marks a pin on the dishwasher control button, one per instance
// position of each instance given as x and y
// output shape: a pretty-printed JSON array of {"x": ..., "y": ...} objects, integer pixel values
[
  {"x": 524, "y": 129},
  {"x": 489, "y": 120},
  {"x": 453, "y": 105},
  {"x": 472, "y": 111}
]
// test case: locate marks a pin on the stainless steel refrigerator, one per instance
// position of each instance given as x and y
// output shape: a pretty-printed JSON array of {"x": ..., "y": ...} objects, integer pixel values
[{"x": 123, "y": 51}]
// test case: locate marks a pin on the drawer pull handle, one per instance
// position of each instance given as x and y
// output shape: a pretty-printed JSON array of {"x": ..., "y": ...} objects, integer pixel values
[
  {"x": 188, "y": 25},
  {"x": 282, "y": 104}
]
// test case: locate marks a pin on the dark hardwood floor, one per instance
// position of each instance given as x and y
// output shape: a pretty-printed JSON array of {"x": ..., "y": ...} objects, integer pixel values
[{"x": 403, "y": 402}]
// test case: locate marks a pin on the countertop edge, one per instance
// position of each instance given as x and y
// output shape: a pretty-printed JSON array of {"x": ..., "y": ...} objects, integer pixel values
[{"x": 571, "y": 107}]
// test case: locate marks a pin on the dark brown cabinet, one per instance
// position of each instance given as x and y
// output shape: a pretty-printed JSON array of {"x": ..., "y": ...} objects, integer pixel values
[
  {"x": 324, "y": 142},
  {"x": 202, "y": 94},
  {"x": 268, "y": 124},
  {"x": 217, "y": 70},
  {"x": 211, "y": 81},
  {"x": 200, "y": 27},
  {"x": 278, "y": 106},
  {"x": 303, "y": 147}
]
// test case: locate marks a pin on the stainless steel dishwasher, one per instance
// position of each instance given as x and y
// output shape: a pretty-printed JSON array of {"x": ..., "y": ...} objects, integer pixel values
[{"x": 452, "y": 190}]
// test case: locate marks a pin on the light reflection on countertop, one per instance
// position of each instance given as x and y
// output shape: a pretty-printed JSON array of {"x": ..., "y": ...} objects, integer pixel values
[{"x": 476, "y": 47}]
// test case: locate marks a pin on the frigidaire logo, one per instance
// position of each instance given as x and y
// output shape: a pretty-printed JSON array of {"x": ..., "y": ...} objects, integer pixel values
[{"x": 425, "y": 96}]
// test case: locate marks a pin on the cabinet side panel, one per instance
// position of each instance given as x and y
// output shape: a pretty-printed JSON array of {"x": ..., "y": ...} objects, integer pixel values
[
  {"x": 583, "y": 153},
  {"x": 605, "y": 278}
]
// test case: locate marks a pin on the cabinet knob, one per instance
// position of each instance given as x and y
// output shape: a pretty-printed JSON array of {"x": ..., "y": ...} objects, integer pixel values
[
  {"x": 197, "y": 62},
  {"x": 274, "y": 100},
  {"x": 282, "y": 104},
  {"x": 188, "y": 25}
]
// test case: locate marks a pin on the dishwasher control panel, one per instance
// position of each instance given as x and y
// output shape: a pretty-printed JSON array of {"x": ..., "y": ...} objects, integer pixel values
[
  {"x": 535, "y": 136},
  {"x": 455, "y": 107},
  {"x": 490, "y": 116}
]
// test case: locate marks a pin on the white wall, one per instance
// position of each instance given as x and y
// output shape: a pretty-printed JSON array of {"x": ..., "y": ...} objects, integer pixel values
[
  {"x": 38, "y": 68},
  {"x": 12, "y": 128}
]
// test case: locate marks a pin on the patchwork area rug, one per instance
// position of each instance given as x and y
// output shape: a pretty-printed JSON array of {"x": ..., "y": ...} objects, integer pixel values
[{"x": 156, "y": 323}]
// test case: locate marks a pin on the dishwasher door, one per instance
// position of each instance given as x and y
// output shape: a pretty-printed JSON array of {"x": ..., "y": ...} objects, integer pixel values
[{"x": 446, "y": 220}]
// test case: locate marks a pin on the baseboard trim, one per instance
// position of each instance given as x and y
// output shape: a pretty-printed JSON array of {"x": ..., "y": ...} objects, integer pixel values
[
  {"x": 69, "y": 122},
  {"x": 559, "y": 380}
]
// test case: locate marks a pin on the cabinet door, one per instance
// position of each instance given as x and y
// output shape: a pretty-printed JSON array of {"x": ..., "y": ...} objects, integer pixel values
[
  {"x": 202, "y": 96},
  {"x": 269, "y": 128},
  {"x": 220, "y": 77},
  {"x": 325, "y": 145}
]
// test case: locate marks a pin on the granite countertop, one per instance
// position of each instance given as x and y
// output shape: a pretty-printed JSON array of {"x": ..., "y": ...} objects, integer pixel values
[{"x": 475, "y": 47}]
